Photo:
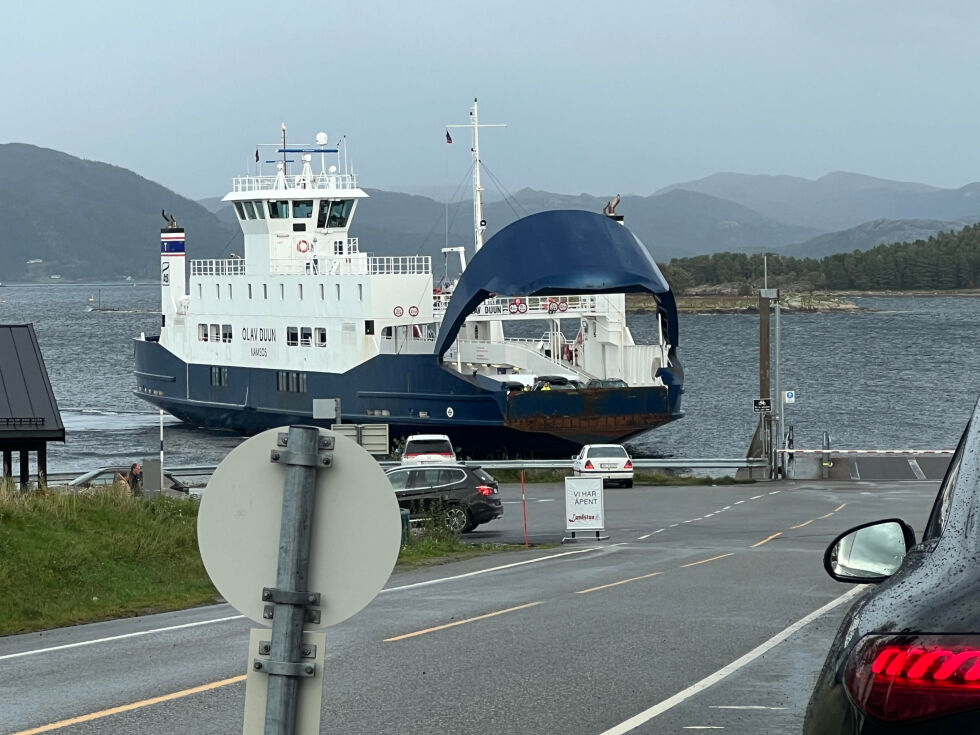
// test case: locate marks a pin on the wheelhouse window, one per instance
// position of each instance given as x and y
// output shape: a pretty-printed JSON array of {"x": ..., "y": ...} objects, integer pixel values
[
  {"x": 259, "y": 209},
  {"x": 249, "y": 209},
  {"x": 303, "y": 208},
  {"x": 240, "y": 210},
  {"x": 279, "y": 210},
  {"x": 339, "y": 213},
  {"x": 321, "y": 218}
]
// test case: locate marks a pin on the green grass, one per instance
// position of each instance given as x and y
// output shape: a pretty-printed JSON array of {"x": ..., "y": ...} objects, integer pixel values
[
  {"x": 70, "y": 558},
  {"x": 67, "y": 558}
]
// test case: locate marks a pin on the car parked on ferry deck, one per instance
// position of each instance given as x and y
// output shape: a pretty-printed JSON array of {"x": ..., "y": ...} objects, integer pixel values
[
  {"x": 611, "y": 462},
  {"x": 906, "y": 658},
  {"x": 462, "y": 495}
]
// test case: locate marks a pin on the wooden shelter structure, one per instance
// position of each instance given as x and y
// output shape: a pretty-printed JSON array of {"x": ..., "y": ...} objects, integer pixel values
[{"x": 29, "y": 415}]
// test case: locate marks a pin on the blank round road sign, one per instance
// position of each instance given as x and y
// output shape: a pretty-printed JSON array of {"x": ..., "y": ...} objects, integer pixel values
[{"x": 355, "y": 536}]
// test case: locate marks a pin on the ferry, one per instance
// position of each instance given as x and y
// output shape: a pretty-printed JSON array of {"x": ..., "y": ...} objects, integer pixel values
[{"x": 306, "y": 327}]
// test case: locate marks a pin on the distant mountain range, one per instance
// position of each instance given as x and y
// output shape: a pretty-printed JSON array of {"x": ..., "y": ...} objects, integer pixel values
[
  {"x": 86, "y": 220},
  {"x": 89, "y": 220},
  {"x": 838, "y": 200}
]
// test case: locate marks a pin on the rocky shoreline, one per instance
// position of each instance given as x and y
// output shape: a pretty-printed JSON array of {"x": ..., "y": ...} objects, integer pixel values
[{"x": 807, "y": 303}]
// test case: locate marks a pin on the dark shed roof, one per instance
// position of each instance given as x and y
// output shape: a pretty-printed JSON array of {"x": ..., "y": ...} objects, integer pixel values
[{"x": 28, "y": 409}]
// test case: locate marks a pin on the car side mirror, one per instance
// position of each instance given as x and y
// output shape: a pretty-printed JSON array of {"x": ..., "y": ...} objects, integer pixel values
[{"x": 869, "y": 553}]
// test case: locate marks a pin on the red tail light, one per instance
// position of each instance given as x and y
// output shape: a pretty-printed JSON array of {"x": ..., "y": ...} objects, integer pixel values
[
  {"x": 588, "y": 464},
  {"x": 911, "y": 677},
  {"x": 484, "y": 490},
  {"x": 628, "y": 465}
]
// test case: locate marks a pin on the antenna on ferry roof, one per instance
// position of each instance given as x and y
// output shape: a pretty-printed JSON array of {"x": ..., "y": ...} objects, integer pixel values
[{"x": 284, "y": 148}]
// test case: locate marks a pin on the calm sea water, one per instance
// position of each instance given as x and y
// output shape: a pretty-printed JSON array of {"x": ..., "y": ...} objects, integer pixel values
[{"x": 902, "y": 376}]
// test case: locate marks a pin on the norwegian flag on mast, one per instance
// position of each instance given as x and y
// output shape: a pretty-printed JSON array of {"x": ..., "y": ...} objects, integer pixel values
[{"x": 449, "y": 138}]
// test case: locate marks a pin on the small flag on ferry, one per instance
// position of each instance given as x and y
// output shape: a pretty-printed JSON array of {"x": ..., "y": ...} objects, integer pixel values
[
  {"x": 449, "y": 138},
  {"x": 256, "y": 155}
]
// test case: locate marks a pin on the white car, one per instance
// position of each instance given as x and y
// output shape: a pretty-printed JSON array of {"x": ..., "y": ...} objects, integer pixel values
[
  {"x": 611, "y": 462},
  {"x": 428, "y": 449}
]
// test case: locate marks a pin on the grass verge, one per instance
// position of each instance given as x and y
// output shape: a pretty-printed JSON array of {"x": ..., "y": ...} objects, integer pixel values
[{"x": 67, "y": 558}]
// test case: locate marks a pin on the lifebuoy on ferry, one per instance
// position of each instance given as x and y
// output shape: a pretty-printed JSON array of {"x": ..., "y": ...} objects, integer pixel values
[{"x": 303, "y": 246}]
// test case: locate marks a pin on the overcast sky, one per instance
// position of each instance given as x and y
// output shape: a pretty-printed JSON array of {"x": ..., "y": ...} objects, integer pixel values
[{"x": 624, "y": 96}]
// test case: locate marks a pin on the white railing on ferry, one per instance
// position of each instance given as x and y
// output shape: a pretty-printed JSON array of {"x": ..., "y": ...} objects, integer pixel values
[
  {"x": 538, "y": 305},
  {"x": 320, "y": 181},
  {"x": 230, "y": 267},
  {"x": 406, "y": 264},
  {"x": 357, "y": 264}
]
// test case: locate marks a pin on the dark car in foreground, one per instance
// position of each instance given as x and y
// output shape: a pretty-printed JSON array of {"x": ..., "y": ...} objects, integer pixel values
[
  {"x": 461, "y": 495},
  {"x": 906, "y": 658}
]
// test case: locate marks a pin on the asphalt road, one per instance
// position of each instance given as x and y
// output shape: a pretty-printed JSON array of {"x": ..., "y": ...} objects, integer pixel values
[{"x": 704, "y": 610}]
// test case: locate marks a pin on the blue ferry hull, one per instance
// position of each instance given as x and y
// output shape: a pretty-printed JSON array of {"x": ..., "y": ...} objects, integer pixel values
[{"x": 412, "y": 394}]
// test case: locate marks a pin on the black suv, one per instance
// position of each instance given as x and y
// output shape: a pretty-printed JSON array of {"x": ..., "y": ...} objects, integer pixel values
[{"x": 465, "y": 496}]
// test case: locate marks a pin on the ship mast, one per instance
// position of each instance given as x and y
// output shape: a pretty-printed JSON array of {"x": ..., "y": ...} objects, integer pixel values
[{"x": 479, "y": 223}]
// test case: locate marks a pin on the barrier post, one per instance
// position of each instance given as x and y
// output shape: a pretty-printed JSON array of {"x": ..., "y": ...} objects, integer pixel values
[{"x": 524, "y": 506}]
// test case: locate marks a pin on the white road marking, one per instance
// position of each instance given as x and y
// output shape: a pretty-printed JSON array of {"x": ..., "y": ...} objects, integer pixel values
[
  {"x": 711, "y": 679},
  {"x": 672, "y": 525},
  {"x": 775, "y": 492},
  {"x": 742, "y": 706},
  {"x": 738, "y": 502},
  {"x": 123, "y": 636},
  {"x": 169, "y": 628},
  {"x": 430, "y": 582},
  {"x": 650, "y": 534},
  {"x": 755, "y": 497},
  {"x": 728, "y": 507}
]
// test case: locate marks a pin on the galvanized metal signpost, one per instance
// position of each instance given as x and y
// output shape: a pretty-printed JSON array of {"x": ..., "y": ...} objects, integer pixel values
[{"x": 299, "y": 530}]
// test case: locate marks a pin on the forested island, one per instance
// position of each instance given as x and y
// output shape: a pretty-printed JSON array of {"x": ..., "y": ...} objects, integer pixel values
[{"x": 948, "y": 261}]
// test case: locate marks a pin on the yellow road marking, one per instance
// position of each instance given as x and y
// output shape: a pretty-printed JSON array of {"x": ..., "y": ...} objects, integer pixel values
[
  {"x": 806, "y": 523},
  {"x": 128, "y": 707},
  {"x": 839, "y": 507},
  {"x": 705, "y": 561},
  {"x": 461, "y": 622},
  {"x": 826, "y": 516},
  {"x": 622, "y": 581},
  {"x": 766, "y": 539}
]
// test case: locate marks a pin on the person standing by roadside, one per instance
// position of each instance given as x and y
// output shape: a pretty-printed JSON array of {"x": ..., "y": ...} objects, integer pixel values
[{"x": 132, "y": 479}]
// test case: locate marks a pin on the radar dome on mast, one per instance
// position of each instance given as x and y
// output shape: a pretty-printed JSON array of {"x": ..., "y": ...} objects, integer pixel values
[{"x": 321, "y": 138}]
